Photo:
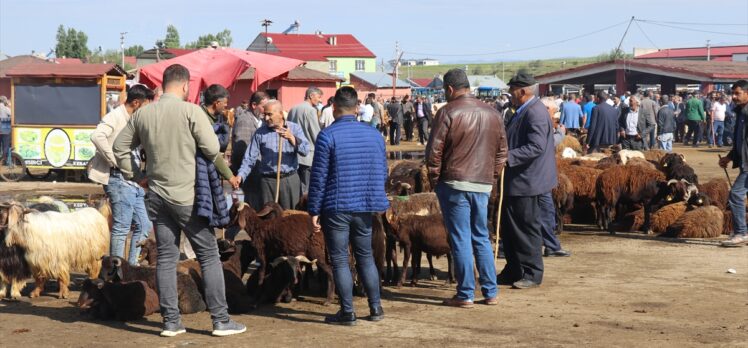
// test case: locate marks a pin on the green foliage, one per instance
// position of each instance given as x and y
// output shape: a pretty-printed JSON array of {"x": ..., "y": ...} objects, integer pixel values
[
  {"x": 134, "y": 50},
  {"x": 223, "y": 38},
  {"x": 71, "y": 43},
  {"x": 536, "y": 67},
  {"x": 172, "y": 37}
]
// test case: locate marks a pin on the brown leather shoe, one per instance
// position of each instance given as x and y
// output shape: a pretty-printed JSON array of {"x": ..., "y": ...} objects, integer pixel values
[
  {"x": 458, "y": 302},
  {"x": 489, "y": 301}
]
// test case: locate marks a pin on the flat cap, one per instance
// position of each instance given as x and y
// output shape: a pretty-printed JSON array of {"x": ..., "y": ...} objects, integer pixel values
[{"x": 522, "y": 79}]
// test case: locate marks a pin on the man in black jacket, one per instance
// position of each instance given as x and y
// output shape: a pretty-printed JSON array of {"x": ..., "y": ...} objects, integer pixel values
[
  {"x": 423, "y": 117},
  {"x": 633, "y": 125},
  {"x": 739, "y": 158},
  {"x": 604, "y": 124},
  {"x": 665, "y": 124}
]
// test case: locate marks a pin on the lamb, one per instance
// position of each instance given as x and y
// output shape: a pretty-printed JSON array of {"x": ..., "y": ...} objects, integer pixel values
[
  {"x": 407, "y": 177},
  {"x": 626, "y": 184},
  {"x": 236, "y": 258},
  {"x": 563, "y": 199},
  {"x": 569, "y": 142},
  {"x": 667, "y": 215},
  {"x": 718, "y": 191},
  {"x": 289, "y": 235},
  {"x": 625, "y": 155},
  {"x": 58, "y": 243},
  {"x": 636, "y": 161},
  {"x": 120, "y": 300},
  {"x": 421, "y": 234},
  {"x": 280, "y": 283},
  {"x": 703, "y": 222},
  {"x": 583, "y": 180},
  {"x": 14, "y": 269},
  {"x": 190, "y": 299}
]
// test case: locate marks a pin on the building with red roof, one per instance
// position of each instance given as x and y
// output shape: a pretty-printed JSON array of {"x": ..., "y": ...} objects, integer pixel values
[
  {"x": 156, "y": 55},
  {"x": 716, "y": 53},
  {"x": 337, "y": 54},
  {"x": 7, "y": 64}
]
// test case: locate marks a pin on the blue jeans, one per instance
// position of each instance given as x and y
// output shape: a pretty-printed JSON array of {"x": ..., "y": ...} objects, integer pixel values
[
  {"x": 4, "y": 145},
  {"x": 550, "y": 240},
  {"x": 128, "y": 208},
  {"x": 666, "y": 141},
  {"x": 737, "y": 203},
  {"x": 719, "y": 128},
  {"x": 338, "y": 230},
  {"x": 466, "y": 219}
]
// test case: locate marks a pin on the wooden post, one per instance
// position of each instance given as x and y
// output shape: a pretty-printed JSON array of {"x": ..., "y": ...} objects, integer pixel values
[{"x": 278, "y": 175}]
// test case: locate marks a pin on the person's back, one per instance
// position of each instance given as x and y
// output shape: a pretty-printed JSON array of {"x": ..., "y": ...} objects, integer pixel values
[
  {"x": 571, "y": 112},
  {"x": 695, "y": 110}
]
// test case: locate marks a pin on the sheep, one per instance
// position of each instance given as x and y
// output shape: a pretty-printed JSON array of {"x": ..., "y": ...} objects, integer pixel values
[
  {"x": 625, "y": 155},
  {"x": 148, "y": 252},
  {"x": 58, "y": 243},
  {"x": 407, "y": 177},
  {"x": 289, "y": 235},
  {"x": 718, "y": 191},
  {"x": 281, "y": 282},
  {"x": 236, "y": 258},
  {"x": 654, "y": 155},
  {"x": 626, "y": 184},
  {"x": 14, "y": 269},
  {"x": 667, "y": 215},
  {"x": 703, "y": 222},
  {"x": 120, "y": 300},
  {"x": 569, "y": 142},
  {"x": 421, "y": 234},
  {"x": 190, "y": 298},
  {"x": 568, "y": 153},
  {"x": 563, "y": 199},
  {"x": 675, "y": 167},
  {"x": 608, "y": 162},
  {"x": 636, "y": 161},
  {"x": 583, "y": 180}
]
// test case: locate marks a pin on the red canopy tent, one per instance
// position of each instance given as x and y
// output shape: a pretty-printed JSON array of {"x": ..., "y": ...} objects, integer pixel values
[{"x": 222, "y": 66}]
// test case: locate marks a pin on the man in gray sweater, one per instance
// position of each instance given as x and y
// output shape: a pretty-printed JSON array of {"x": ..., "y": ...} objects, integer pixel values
[
  {"x": 665, "y": 124},
  {"x": 648, "y": 109}
]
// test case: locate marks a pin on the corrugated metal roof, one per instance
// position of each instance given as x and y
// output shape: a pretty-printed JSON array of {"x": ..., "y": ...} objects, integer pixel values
[
  {"x": 379, "y": 79},
  {"x": 315, "y": 47},
  {"x": 694, "y": 52},
  {"x": 486, "y": 81},
  {"x": 66, "y": 70}
]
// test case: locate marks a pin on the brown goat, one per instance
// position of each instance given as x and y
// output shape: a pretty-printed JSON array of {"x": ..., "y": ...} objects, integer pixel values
[
  {"x": 718, "y": 191},
  {"x": 703, "y": 222},
  {"x": 626, "y": 184},
  {"x": 420, "y": 234},
  {"x": 286, "y": 235}
]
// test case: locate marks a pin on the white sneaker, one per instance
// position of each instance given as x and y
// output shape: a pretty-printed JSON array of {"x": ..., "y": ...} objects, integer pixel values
[
  {"x": 735, "y": 240},
  {"x": 227, "y": 328}
]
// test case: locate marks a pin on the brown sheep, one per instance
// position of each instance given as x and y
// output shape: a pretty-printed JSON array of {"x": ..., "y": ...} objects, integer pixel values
[
  {"x": 718, "y": 191},
  {"x": 583, "y": 181},
  {"x": 420, "y": 234},
  {"x": 626, "y": 184},
  {"x": 667, "y": 215},
  {"x": 636, "y": 161},
  {"x": 283, "y": 236},
  {"x": 608, "y": 162},
  {"x": 632, "y": 221},
  {"x": 654, "y": 155},
  {"x": 570, "y": 142},
  {"x": 703, "y": 222},
  {"x": 563, "y": 199}
]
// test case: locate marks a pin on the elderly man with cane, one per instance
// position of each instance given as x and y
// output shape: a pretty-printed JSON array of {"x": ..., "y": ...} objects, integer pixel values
[
  {"x": 739, "y": 158},
  {"x": 465, "y": 156},
  {"x": 530, "y": 174},
  {"x": 277, "y": 144}
]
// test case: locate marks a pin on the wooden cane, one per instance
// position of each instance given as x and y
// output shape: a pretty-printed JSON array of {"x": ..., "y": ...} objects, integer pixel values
[
  {"x": 726, "y": 173},
  {"x": 498, "y": 213},
  {"x": 278, "y": 175}
]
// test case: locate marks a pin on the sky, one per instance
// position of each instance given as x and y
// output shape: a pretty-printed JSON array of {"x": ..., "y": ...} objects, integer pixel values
[{"x": 451, "y": 31}]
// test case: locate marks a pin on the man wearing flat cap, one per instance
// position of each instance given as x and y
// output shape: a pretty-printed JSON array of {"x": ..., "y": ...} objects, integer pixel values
[{"x": 530, "y": 175}]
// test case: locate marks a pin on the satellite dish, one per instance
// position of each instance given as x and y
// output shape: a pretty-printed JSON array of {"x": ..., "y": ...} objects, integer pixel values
[{"x": 269, "y": 40}]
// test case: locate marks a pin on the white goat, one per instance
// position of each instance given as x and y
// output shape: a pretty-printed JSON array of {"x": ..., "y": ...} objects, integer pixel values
[{"x": 58, "y": 243}]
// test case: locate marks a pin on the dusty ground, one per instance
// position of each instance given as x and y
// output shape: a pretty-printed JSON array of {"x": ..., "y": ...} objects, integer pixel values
[{"x": 623, "y": 290}]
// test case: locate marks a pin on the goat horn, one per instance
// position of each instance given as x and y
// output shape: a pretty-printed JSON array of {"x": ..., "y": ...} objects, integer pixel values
[
  {"x": 117, "y": 262},
  {"x": 302, "y": 258},
  {"x": 241, "y": 206},
  {"x": 672, "y": 181},
  {"x": 278, "y": 260},
  {"x": 405, "y": 185}
]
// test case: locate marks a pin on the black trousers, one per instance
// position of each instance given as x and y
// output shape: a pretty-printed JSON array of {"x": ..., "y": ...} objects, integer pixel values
[
  {"x": 694, "y": 131},
  {"x": 423, "y": 130},
  {"x": 394, "y": 133},
  {"x": 521, "y": 231},
  {"x": 408, "y": 125}
]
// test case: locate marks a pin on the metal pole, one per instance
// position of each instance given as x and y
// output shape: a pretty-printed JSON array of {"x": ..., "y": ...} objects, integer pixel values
[
  {"x": 708, "y": 51},
  {"x": 122, "y": 47},
  {"x": 624, "y": 35}
]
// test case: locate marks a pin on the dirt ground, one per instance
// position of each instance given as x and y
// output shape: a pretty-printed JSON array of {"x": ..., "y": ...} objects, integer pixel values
[{"x": 623, "y": 290}]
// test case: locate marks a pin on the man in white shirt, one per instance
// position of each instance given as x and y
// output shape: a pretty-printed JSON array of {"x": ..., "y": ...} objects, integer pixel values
[
  {"x": 632, "y": 125},
  {"x": 719, "y": 108}
]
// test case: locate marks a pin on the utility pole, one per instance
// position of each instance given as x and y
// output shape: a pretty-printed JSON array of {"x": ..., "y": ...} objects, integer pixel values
[
  {"x": 624, "y": 36},
  {"x": 502, "y": 71},
  {"x": 122, "y": 46},
  {"x": 708, "y": 51},
  {"x": 398, "y": 56},
  {"x": 266, "y": 23}
]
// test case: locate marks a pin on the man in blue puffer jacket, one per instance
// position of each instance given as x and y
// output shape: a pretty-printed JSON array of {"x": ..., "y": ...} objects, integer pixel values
[{"x": 345, "y": 189}]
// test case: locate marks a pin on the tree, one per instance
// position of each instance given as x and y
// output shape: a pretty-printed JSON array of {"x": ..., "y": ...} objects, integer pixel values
[
  {"x": 71, "y": 43},
  {"x": 61, "y": 50},
  {"x": 223, "y": 39},
  {"x": 172, "y": 37},
  {"x": 134, "y": 50}
]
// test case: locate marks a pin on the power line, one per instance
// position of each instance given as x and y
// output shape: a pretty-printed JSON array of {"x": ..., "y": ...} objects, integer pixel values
[
  {"x": 646, "y": 36},
  {"x": 690, "y": 29},
  {"x": 523, "y": 49},
  {"x": 694, "y": 23}
]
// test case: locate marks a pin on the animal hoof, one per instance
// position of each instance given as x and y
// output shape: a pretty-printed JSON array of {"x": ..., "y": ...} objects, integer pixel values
[
  {"x": 34, "y": 295},
  {"x": 326, "y": 303},
  {"x": 433, "y": 277}
]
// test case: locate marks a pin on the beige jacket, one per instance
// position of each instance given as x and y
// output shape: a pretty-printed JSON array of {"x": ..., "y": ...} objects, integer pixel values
[{"x": 103, "y": 139}]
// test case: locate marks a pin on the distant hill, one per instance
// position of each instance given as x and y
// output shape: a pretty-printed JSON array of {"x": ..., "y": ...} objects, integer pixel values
[{"x": 536, "y": 67}]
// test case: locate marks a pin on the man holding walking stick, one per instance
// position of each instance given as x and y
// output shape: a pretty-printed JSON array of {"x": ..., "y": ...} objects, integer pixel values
[
  {"x": 739, "y": 158},
  {"x": 278, "y": 143}
]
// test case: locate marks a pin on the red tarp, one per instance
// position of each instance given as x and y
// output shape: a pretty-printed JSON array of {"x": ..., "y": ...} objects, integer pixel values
[{"x": 222, "y": 66}]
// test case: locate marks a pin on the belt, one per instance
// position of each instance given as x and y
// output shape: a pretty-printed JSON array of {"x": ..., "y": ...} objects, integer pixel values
[
  {"x": 631, "y": 136},
  {"x": 114, "y": 171},
  {"x": 283, "y": 175}
]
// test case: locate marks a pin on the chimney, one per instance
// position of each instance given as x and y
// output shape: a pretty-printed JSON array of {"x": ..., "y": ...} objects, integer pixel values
[{"x": 332, "y": 40}]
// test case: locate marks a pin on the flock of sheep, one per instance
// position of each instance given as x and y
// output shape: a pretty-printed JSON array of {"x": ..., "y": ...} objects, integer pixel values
[{"x": 650, "y": 191}]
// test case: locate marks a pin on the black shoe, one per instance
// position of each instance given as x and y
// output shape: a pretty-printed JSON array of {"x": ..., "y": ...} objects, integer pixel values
[
  {"x": 525, "y": 284},
  {"x": 557, "y": 253},
  {"x": 376, "y": 313},
  {"x": 503, "y": 280},
  {"x": 342, "y": 318}
]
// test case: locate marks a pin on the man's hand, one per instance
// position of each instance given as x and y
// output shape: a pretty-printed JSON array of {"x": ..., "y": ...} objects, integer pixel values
[
  {"x": 235, "y": 181},
  {"x": 286, "y": 133},
  {"x": 315, "y": 223},
  {"x": 143, "y": 183},
  {"x": 561, "y": 128},
  {"x": 724, "y": 161}
]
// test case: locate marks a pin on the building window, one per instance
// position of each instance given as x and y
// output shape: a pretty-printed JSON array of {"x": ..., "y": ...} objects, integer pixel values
[
  {"x": 333, "y": 66},
  {"x": 360, "y": 65}
]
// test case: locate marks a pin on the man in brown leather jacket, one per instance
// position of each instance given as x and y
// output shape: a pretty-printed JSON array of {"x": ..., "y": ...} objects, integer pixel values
[{"x": 465, "y": 155}]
